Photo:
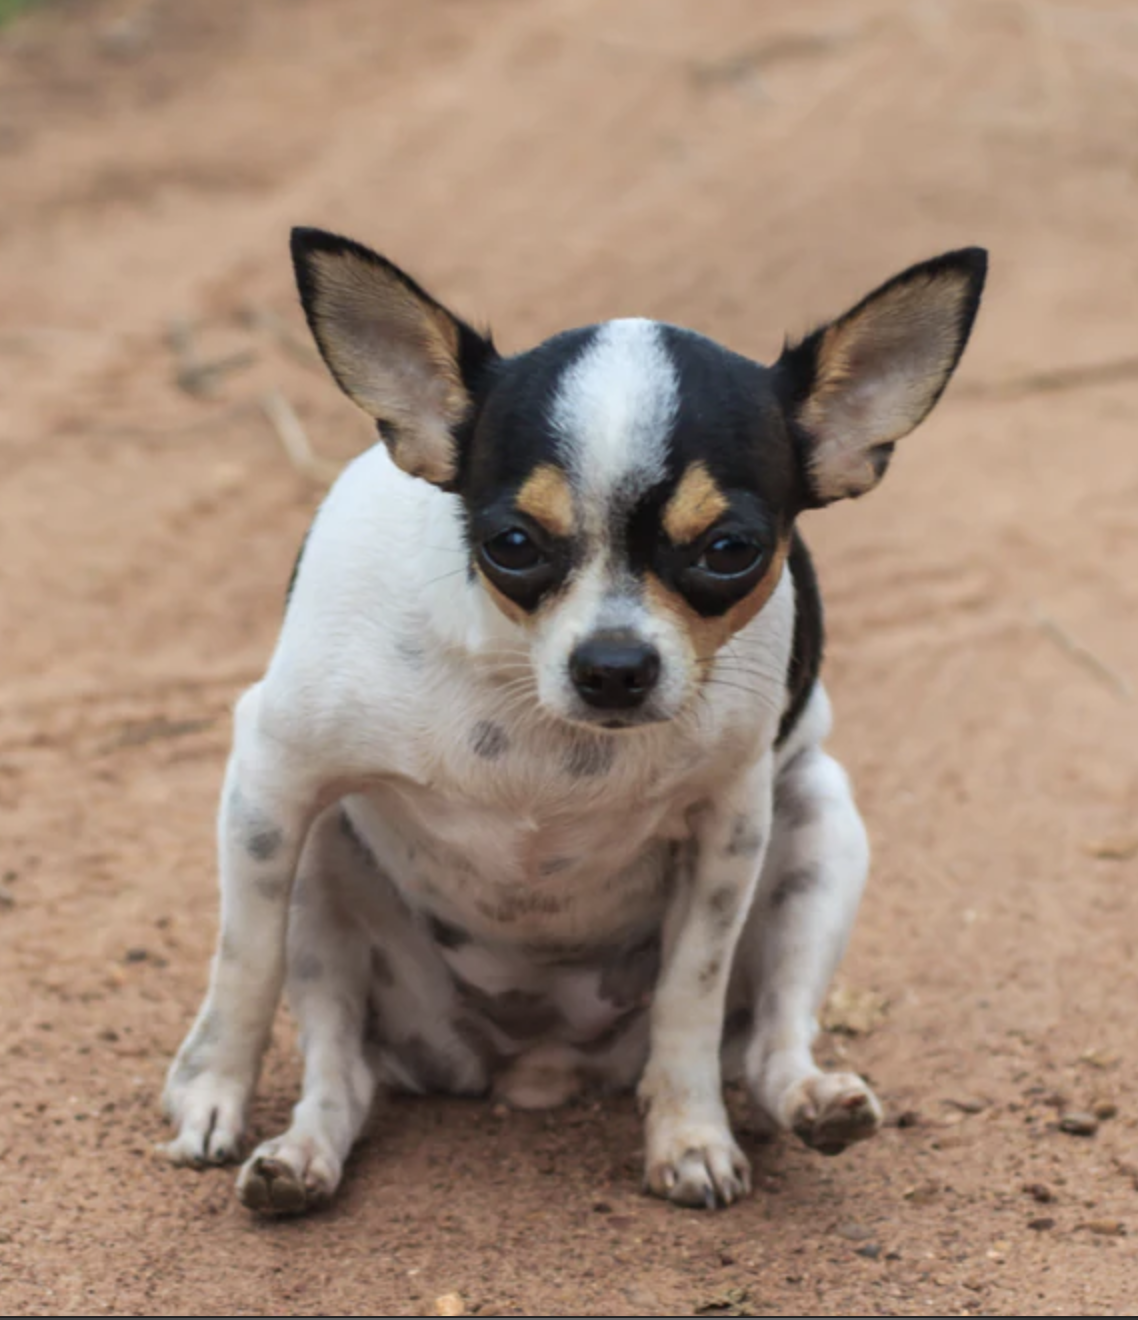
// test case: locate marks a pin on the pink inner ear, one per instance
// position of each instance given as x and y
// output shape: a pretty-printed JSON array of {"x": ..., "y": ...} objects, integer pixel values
[{"x": 880, "y": 369}]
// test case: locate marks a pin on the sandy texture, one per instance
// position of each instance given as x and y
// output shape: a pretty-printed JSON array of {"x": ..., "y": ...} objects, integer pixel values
[{"x": 741, "y": 167}]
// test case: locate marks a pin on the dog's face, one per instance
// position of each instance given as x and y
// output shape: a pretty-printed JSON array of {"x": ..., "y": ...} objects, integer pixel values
[{"x": 629, "y": 489}]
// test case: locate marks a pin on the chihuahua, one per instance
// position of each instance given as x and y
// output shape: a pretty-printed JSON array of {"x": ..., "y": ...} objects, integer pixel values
[{"x": 532, "y": 796}]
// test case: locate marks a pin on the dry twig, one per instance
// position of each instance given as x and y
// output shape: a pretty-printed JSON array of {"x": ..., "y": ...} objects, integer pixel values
[{"x": 294, "y": 439}]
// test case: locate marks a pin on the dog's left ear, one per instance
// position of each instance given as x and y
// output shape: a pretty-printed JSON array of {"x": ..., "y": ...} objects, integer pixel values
[
  {"x": 856, "y": 386},
  {"x": 393, "y": 350}
]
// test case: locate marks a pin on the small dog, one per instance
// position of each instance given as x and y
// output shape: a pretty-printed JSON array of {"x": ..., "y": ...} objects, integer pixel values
[{"x": 532, "y": 794}]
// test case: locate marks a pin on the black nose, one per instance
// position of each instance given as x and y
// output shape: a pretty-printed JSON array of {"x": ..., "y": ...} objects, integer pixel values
[{"x": 614, "y": 671}]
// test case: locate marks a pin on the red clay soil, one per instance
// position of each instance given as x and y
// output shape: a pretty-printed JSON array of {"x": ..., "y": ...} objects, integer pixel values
[{"x": 744, "y": 168}]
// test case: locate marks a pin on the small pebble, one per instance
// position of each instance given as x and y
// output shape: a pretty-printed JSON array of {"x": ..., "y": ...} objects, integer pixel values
[
  {"x": 908, "y": 1118},
  {"x": 1039, "y": 1192},
  {"x": 870, "y": 1251},
  {"x": 1105, "y": 1109},
  {"x": 1106, "y": 1227},
  {"x": 1078, "y": 1124},
  {"x": 136, "y": 955},
  {"x": 853, "y": 1232},
  {"x": 1041, "y": 1224},
  {"x": 450, "y": 1304}
]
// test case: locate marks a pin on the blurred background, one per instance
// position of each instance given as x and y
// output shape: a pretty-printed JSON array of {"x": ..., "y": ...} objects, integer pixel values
[{"x": 742, "y": 167}]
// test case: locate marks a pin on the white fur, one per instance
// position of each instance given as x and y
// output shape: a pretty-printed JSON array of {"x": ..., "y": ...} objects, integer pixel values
[{"x": 405, "y": 754}]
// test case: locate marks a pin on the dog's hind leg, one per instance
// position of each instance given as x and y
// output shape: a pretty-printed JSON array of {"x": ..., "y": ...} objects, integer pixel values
[
  {"x": 795, "y": 936},
  {"x": 329, "y": 975}
]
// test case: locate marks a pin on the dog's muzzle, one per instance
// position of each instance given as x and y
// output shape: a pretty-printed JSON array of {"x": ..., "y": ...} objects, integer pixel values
[{"x": 614, "y": 670}]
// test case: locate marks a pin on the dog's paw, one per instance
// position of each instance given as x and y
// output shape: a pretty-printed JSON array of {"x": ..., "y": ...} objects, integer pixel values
[
  {"x": 832, "y": 1111},
  {"x": 288, "y": 1175},
  {"x": 695, "y": 1162},
  {"x": 209, "y": 1112}
]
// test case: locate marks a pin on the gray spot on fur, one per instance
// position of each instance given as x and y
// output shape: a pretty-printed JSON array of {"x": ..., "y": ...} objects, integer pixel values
[
  {"x": 709, "y": 972},
  {"x": 723, "y": 903},
  {"x": 262, "y": 837},
  {"x": 746, "y": 840},
  {"x": 489, "y": 741},
  {"x": 425, "y": 1064},
  {"x": 586, "y": 757},
  {"x": 628, "y": 976},
  {"x": 446, "y": 935},
  {"x": 522, "y": 903},
  {"x": 308, "y": 967},
  {"x": 409, "y": 651},
  {"x": 520, "y": 1014},
  {"x": 271, "y": 887},
  {"x": 798, "y": 880},
  {"x": 555, "y": 865},
  {"x": 264, "y": 842},
  {"x": 793, "y": 806}
]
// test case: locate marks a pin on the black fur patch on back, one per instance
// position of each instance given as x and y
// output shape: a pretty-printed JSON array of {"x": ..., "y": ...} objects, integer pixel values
[{"x": 809, "y": 636}]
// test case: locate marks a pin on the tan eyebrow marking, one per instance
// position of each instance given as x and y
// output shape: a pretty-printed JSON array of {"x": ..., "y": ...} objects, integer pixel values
[
  {"x": 548, "y": 500},
  {"x": 694, "y": 506}
]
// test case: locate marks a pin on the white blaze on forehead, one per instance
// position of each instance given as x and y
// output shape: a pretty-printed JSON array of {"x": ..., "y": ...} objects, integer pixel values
[{"x": 613, "y": 410}]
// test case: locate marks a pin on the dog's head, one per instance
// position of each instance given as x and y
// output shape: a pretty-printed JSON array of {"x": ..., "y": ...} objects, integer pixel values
[{"x": 629, "y": 489}]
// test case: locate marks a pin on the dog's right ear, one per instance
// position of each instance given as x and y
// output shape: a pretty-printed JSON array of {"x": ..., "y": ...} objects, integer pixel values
[{"x": 394, "y": 351}]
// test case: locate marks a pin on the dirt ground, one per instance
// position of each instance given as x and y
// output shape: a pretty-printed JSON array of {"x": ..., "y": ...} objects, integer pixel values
[{"x": 741, "y": 167}]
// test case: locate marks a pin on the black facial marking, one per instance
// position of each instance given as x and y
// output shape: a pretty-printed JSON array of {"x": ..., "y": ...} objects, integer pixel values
[
  {"x": 489, "y": 740},
  {"x": 445, "y": 935},
  {"x": 746, "y": 839},
  {"x": 809, "y": 637},
  {"x": 798, "y": 880},
  {"x": 586, "y": 757}
]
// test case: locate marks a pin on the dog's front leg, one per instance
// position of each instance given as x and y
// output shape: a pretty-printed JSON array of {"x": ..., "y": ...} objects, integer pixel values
[
  {"x": 691, "y": 1155},
  {"x": 266, "y": 806}
]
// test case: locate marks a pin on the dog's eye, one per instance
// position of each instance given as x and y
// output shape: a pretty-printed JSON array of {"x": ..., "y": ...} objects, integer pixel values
[
  {"x": 513, "y": 551},
  {"x": 729, "y": 556}
]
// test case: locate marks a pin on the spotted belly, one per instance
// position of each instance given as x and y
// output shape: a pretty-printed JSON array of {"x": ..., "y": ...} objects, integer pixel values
[{"x": 484, "y": 990}]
